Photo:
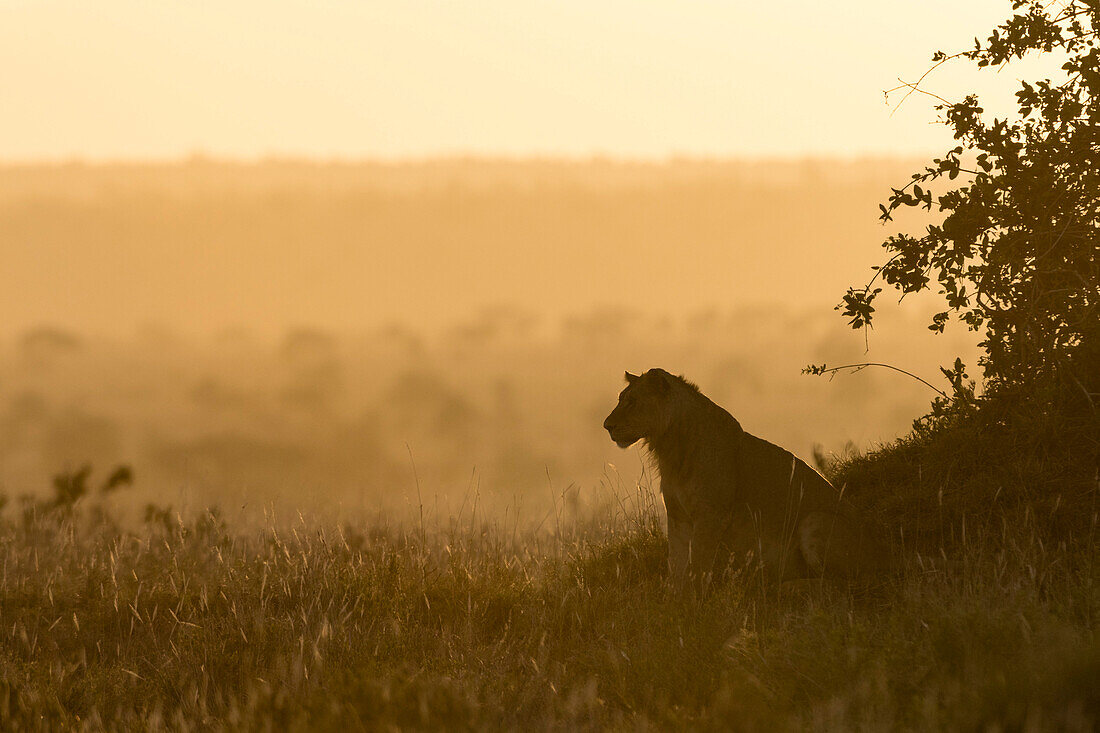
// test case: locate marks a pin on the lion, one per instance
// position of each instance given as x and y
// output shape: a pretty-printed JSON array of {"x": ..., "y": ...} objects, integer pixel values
[{"x": 733, "y": 498}]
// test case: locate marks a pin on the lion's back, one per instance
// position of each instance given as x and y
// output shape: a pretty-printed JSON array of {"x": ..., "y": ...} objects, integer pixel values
[
  {"x": 828, "y": 532},
  {"x": 774, "y": 480}
]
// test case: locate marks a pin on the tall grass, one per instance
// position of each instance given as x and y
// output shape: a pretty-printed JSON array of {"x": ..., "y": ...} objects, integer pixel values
[{"x": 192, "y": 624}]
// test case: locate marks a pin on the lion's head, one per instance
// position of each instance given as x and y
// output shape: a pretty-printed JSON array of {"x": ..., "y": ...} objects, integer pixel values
[{"x": 642, "y": 412}]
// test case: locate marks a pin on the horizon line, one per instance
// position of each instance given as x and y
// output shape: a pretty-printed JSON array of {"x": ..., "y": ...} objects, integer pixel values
[{"x": 204, "y": 158}]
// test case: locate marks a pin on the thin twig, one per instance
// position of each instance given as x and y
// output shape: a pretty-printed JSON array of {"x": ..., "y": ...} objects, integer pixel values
[
  {"x": 913, "y": 88},
  {"x": 863, "y": 365}
]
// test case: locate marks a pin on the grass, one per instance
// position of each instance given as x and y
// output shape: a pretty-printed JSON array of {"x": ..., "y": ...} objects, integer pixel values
[
  {"x": 984, "y": 473},
  {"x": 195, "y": 625},
  {"x": 991, "y": 622}
]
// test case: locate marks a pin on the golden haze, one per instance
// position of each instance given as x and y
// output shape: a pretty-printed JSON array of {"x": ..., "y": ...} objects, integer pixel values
[{"x": 288, "y": 333}]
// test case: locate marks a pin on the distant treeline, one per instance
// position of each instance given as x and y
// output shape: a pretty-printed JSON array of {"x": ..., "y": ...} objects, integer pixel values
[
  {"x": 506, "y": 405},
  {"x": 204, "y": 245}
]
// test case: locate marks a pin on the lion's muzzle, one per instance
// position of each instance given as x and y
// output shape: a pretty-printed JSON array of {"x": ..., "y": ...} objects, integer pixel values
[{"x": 620, "y": 438}]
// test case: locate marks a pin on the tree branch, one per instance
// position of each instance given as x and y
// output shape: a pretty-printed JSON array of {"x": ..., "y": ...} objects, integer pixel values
[{"x": 857, "y": 367}]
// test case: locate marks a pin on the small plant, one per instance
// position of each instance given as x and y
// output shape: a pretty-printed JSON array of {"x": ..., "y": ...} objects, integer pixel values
[{"x": 71, "y": 486}]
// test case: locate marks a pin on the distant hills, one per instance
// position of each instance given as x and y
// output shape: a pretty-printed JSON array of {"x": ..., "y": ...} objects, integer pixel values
[{"x": 204, "y": 245}]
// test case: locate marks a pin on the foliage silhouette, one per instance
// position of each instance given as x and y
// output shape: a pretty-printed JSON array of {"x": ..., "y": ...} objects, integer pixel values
[{"x": 1016, "y": 252}]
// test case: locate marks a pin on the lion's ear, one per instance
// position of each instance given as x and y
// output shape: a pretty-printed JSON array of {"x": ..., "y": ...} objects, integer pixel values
[
  {"x": 631, "y": 378},
  {"x": 663, "y": 381}
]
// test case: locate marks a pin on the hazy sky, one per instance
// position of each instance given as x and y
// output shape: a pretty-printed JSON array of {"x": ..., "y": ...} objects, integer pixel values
[{"x": 166, "y": 78}]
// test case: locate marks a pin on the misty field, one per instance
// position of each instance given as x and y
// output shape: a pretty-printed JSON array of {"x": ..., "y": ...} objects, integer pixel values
[
  {"x": 411, "y": 518},
  {"x": 341, "y": 426},
  {"x": 317, "y": 337},
  {"x": 187, "y": 623}
]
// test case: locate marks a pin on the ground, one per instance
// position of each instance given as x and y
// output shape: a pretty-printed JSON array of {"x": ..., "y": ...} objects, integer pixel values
[{"x": 191, "y": 624}]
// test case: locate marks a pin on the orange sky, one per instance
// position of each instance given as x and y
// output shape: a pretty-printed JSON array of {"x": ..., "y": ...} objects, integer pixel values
[{"x": 362, "y": 78}]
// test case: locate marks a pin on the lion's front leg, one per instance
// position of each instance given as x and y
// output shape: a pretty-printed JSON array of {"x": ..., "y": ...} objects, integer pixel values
[
  {"x": 679, "y": 541},
  {"x": 710, "y": 548}
]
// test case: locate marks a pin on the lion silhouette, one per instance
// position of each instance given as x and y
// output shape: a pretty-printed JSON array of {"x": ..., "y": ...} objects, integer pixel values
[{"x": 732, "y": 498}]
